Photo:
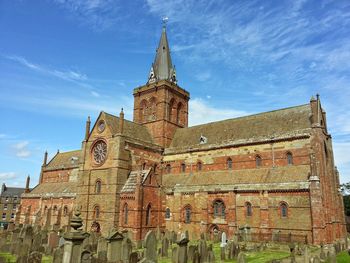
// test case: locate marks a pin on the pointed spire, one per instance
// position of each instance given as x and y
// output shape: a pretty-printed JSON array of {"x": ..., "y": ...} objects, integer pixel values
[
  {"x": 162, "y": 67},
  {"x": 27, "y": 185},
  {"x": 121, "y": 121},
  {"x": 45, "y": 159},
  {"x": 87, "y": 128}
]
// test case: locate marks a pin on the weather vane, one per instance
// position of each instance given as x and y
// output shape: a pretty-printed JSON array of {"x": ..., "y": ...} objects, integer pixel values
[{"x": 165, "y": 20}]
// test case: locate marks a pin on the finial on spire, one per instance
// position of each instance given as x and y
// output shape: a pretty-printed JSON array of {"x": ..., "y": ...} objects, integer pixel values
[{"x": 164, "y": 20}]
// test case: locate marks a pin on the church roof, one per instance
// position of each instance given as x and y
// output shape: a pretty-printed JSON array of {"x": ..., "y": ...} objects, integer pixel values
[
  {"x": 11, "y": 191},
  {"x": 284, "y": 177},
  {"x": 130, "y": 129},
  {"x": 284, "y": 123},
  {"x": 64, "y": 160},
  {"x": 53, "y": 190},
  {"x": 131, "y": 183}
]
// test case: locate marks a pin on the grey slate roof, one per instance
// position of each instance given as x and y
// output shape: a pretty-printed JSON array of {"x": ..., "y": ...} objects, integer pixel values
[
  {"x": 12, "y": 191},
  {"x": 162, "y": 65},
  {"x": 283, "y": 123},
  {"x": 131, "y": 183}
]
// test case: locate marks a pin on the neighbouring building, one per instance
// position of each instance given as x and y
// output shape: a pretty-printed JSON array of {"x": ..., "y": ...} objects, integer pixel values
[
  {"x": 10, "y": 199},
  {"x": 271, "y": 172}
]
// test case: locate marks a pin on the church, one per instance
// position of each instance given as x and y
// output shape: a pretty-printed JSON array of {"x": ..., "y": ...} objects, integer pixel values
[{"x": 267, "y": 173}]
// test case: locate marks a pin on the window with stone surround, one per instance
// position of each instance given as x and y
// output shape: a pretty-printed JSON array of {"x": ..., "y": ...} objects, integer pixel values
[
  {"x": 183, "y": 168},
  {"x": 258, "y": 161},
  {"x": 168, "y": 168},
  {"x": 97, "y": 212},
  {"x": 126, "y": 213},
  {"x": 289, "y": 158},
  {"x": 12, "y": 215},
  {"x": 219, "y": 209},
  {"x": 5, "y": 206},
  {"x": 143, "y": 111},
  {"x": 3, "y": 216},
  {"x": 187, "y": 214},
  {"x": 98, "y": 186},
  {"x": 229, "y": 163},
  {"x": 284, "y": 210},
  {"x": 14, "y": 206},
  {"x": 148, "y": 215},
  {"x": 249, "y": 209},
  {"x": 199, "y": 166},
  {"x": 65, "y": 210},
  {"x": 167, "y": 213},
  {"x": 178, "y": 113}
]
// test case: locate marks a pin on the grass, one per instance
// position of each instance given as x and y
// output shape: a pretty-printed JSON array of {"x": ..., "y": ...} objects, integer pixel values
[
  {"x": 9, "y": 258},
  {"x": 343, "y": 257}
]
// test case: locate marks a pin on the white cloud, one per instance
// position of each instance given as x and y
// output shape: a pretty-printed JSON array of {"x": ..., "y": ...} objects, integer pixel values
[
  {"x": 7, "y": 175},
  {"x": 202, "y": 112},
  {"x": 66, "y": 75},
  {"x": 95, "y": 94},
  {"x": 21, "y": 149}
]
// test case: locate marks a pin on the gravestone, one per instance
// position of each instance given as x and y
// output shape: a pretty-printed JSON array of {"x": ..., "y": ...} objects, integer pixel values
[
  {"x": 150, "y": 248},
  {"x": 211, "y": 256},
  {"x": 182, "y": 251},
  {"x": 126, "y": 249},
  {"x": 306, "y": 255},
  {"x": 196, "y": 257},
  {"x": 315, "y": 259},
  {"x": 223, "y": 246},
  {"x": 53, "y": 239},
  {"x": 332, "y": 255},
  {"x": 187, "y": 235},
  {"x": 202, "y": 249},
  {"x": 165, "y": 247},
  {"x": 191, "y": 250},
  {"x": 241, "y": 258},
  {"x": 57, "y": 255},
  {"x": 34, "y": 257},
  {"x": 114, "y": 246},
  {"x": 86, "y": 256},
  {"x": 133, "y": 258},
  {"x": 174, "y": 255}
]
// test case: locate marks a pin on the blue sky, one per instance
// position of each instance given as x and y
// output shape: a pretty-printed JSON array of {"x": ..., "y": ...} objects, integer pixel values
[{"x": 63, "y": 60}]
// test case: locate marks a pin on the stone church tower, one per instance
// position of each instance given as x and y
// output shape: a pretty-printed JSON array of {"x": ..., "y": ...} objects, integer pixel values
[{"x": 161, "y": 105}]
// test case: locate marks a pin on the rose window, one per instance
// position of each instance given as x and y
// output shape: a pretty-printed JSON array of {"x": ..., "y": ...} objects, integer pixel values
[{"x": 100, "y": 152}]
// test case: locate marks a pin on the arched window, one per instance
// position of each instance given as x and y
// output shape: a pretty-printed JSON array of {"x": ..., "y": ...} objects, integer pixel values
[
  {"x": 98, "y": 187},
  {"x": 148, "y": 215},
  {"x": 178, "y": 113},
  {"x": 284, "y": 209},
  {"x": 126, "y": 212},
  {"x": 183, "y": 167},
  {"x": 167, "y": 213},
  {"x": 97, "y": 212},
  {"x": 170, "y": 109},
  {"x": 143, "y": 111},
  {"x": 199, "y": 166},
  {"x": 289, "y": 158},
  {"x": 325, "y": 150},
  {"x": 258, "y": 161},
  {"x": 168, "y": 168},
  {"x": 219, "y": 209},
  {"x": 249, "y": 210},
  {"x": 152, "y": 109},
  {"x": 65, "y": 210},
  {"x": 229, "y": 163},
  {"x": 144, "y": 166},
  {"x": 55, "y": 210},
  {"x": 187, "y": 215}
]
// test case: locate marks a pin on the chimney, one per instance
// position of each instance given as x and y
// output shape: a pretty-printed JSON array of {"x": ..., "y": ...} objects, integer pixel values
[
  {"x": 45, "y": 159},
  {"x": 87, "y": 128},
  {"x": 121, "y": 121},
  {"x": 27, "y": 185}
]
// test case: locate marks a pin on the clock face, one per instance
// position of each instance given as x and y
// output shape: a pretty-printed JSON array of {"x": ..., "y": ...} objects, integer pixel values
[
  {"x": 99, "y": 152},
  {"x": 101, "y": 126}
]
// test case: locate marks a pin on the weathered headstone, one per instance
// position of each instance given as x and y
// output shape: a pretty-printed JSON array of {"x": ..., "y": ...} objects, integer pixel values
[
  {"x": 133, "y": 258},
  {"x": 211, "y": 256},
  {"x": 182, "y": 252},
  {"x": 165, "y": 247},
  {"x": 174, "y": 255},
  {"x": 332, "y": 255},
  {"x": 126, "y": 249},
  {"x": 202, "y": 249},
  {"x": 34, "y": 257},
  {"x": 150, "y": 248},
  {"x": 191, "y": 250},
  {"x": 315, "y": 259},
  {"x": 114, "y": 246},
  {"x": 86, "y": 256},
  {"x": 58, "y": 255},
  {"x": 241, "y": 258},
  {"x": 306, "y": 255}
]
